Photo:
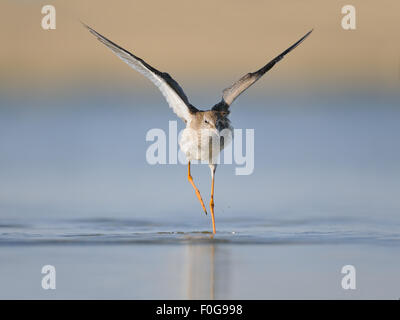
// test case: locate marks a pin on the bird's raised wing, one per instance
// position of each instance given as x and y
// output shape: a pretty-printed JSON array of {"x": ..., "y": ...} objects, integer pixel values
[
  {"x": 170, "y": 89},
  {"x": 231, "y": 93}
]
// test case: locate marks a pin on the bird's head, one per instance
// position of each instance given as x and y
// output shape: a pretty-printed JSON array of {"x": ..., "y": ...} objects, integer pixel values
[{"x": 211, "y": 119}]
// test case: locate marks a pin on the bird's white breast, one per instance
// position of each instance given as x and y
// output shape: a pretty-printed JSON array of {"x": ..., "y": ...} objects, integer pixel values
[{"x": 195, "y": 144}]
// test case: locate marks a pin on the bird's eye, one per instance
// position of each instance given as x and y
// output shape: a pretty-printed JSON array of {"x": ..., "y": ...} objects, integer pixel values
[{"x": 206, "y": 121}]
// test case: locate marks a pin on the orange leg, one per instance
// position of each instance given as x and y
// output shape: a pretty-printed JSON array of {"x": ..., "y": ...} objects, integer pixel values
[
  {"x": 195, "y": 189},
  {"x": 212, "y": 200}
]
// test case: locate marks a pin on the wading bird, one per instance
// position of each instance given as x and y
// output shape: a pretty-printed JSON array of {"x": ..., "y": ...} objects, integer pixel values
[{"x": 202, "y": 127}]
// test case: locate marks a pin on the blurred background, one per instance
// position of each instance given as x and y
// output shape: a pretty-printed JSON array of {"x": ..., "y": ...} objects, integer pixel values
[{"x": 73, "y": 122}]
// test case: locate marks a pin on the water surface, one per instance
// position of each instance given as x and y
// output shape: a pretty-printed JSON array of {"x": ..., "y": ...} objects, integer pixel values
[{"x": 76, "y": 192}]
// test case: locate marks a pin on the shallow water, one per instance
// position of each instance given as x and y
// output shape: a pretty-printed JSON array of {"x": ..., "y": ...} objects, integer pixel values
[
  {"x": 247, "y": 259},
  {"x": 77, "y": 193},
  {"x": 250, "y": 231}
]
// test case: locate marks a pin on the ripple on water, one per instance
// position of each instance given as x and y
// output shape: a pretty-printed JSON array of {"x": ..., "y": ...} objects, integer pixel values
[{"x": 106, "y": 231}]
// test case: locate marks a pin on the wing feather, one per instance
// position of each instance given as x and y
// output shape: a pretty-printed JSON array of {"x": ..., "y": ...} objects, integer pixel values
[
  {"x": 170, "y": 89},
  {"x": 232, "y": 92}
]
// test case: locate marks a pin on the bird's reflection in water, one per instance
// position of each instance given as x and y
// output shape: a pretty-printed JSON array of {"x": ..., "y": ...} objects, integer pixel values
[{"x": 208, "y": 271}]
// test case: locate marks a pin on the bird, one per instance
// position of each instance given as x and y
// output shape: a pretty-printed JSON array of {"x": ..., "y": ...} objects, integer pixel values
[{"x": 203, "y": 127}]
